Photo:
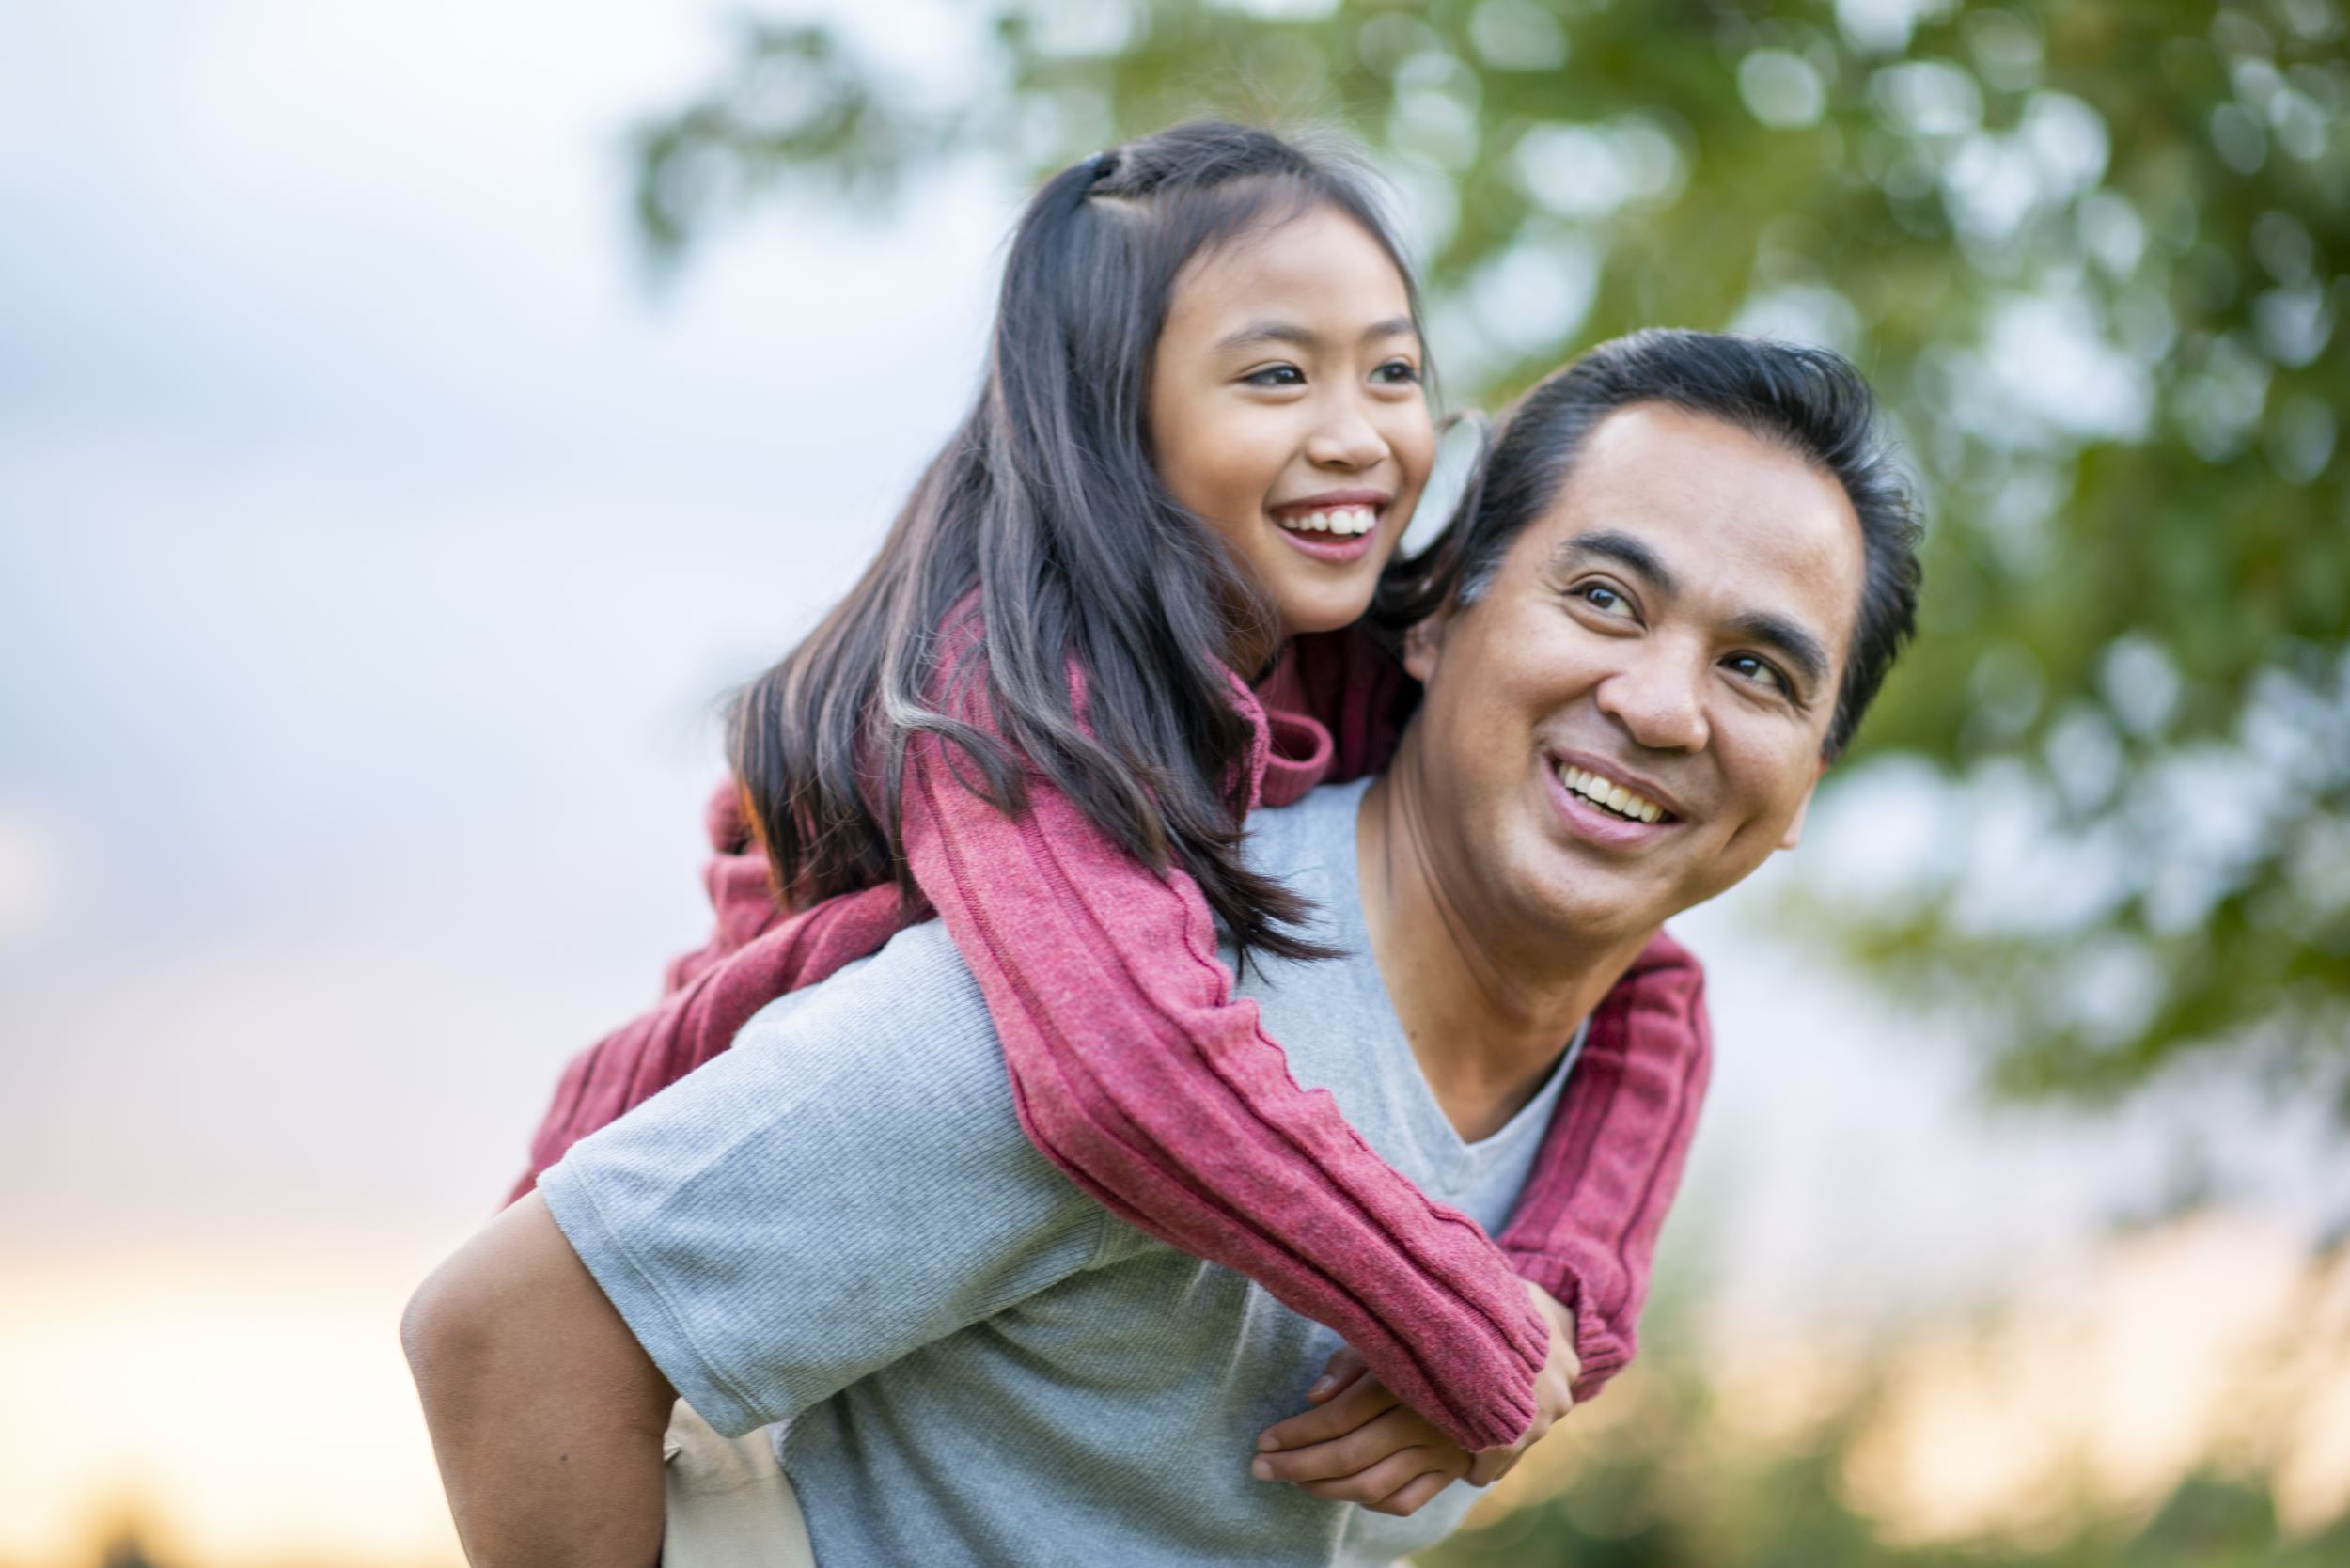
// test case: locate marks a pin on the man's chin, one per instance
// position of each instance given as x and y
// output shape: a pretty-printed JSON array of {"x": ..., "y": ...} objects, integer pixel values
[{"x": 1592, "y": 908}]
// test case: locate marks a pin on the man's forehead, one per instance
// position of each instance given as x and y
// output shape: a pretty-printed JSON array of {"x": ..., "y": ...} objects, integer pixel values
[{"x": 1709, "y": 510}]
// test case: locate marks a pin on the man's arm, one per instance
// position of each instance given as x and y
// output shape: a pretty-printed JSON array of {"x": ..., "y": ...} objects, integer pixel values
[
  {"x": 546, "y": 1415},
  {"x": 730, "y": 1239}
]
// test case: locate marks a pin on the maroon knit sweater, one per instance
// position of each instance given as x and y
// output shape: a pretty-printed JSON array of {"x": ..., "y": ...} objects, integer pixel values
[{"x": 1135, "y": 1071}]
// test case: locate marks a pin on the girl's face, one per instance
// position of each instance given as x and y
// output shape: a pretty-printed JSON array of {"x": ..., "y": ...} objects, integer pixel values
[{"x": 1287, "y": 411}]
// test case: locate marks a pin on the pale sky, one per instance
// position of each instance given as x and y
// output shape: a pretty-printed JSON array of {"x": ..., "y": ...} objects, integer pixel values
[{"x": 374, "y": 547}]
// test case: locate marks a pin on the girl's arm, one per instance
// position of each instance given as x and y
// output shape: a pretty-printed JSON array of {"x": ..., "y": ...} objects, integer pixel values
[
  {"x": 1585, "y": 1227},
  {"x": 1134, "y": 1070}
]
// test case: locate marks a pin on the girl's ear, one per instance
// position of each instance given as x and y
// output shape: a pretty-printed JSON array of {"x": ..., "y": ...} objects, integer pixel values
[{"x": 1421, "y": 642}]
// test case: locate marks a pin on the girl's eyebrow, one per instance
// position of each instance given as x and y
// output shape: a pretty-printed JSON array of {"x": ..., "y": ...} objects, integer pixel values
[{"x": 1306, "y": 337}]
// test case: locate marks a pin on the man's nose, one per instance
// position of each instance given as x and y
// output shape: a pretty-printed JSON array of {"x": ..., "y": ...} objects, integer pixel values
[
  {"x": 1658, "y": 695},
  {"x": 1346, "y": 438}
]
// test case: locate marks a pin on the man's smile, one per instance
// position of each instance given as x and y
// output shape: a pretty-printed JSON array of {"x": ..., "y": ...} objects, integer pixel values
[
  {"x": 1617, "y": 789},
  {"x": 1606, "y": 804},
  {"x": 1594, "y": 823}
]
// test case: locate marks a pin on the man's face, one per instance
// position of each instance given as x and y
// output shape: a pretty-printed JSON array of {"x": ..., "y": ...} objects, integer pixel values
[{"x": 1674, "y": 628}]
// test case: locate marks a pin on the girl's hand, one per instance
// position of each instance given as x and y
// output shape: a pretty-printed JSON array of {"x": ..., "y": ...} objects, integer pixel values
[
  {"x": 1554, "y": 1389},
  {"x": 1360, "y": 1444}
]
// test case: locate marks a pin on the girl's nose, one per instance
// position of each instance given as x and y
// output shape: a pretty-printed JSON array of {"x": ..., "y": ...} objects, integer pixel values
[{"x": 1346, "y": 440}]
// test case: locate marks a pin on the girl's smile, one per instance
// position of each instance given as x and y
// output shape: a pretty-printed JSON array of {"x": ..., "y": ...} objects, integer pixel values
[{"x": 1338, "y": 525}]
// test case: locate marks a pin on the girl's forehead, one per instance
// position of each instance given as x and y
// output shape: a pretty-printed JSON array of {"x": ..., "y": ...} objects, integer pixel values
[{"x": 1320, "y": 258}]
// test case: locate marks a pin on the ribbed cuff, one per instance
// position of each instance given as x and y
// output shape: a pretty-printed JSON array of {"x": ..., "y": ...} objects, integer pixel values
[{"x": 1600, "y": 1351}]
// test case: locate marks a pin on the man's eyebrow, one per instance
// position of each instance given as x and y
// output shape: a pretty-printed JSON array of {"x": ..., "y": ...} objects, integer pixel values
[
  {"x": 1794, "y": 644},
  {"x": 1797, "y": 645},
  {"x": 1306, "y": 337},
  {"x": 1631, "y": 553}
]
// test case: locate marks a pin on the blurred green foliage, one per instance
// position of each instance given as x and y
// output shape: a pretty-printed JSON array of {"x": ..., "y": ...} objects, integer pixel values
[{"x": 2090, "y": 251}]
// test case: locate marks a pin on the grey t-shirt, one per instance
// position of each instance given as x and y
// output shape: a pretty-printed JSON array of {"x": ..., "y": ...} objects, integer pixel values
[{"x": 839, "y": 1225}]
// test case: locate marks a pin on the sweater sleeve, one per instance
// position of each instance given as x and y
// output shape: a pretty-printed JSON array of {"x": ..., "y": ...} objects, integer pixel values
[
  {"x": 1586, "y": 1226},
  {"x": 1136, "y": 1071}
]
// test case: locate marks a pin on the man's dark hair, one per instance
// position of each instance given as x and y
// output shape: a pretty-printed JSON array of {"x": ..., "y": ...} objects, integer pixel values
[{"x": 1810, "y": 400}]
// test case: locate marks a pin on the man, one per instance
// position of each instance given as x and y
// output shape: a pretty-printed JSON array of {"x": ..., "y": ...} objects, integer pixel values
[{"x": 1688, "y": 568}]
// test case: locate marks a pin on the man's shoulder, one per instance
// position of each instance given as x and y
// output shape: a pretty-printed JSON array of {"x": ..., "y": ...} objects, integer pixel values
[
  {"x": 904, "y": 1034},
  {"x": 895, "y": 1052},
  {"x": 916, "y": 993},
  {"x": 857, "y": 1144},
  {"x": 1332, "y": 1015},
  {"x": 1306, "y": 836}
]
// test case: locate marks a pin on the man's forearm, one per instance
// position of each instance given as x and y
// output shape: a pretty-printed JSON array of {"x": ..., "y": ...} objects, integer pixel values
[{"x": 546, "y": 1415}]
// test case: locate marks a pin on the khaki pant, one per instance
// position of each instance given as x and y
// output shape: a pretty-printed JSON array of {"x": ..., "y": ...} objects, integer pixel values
[{"x": 730, "y": 1505}]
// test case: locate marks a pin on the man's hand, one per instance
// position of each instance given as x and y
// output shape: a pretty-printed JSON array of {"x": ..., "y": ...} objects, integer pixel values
[{"x": 1360, "y": 1444}]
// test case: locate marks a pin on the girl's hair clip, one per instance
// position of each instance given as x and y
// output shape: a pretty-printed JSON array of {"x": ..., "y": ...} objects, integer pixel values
[{"x": 1104, "y": 165}]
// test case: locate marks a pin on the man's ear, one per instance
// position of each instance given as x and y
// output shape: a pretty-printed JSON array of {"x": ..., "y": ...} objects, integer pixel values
[
  {"x": 1420, "y": 644},
  {"x": 1793, "y": 835}
]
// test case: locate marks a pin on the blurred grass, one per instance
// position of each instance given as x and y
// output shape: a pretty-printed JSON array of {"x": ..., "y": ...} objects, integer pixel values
[
  {"x": 1626, "y": 1514},
  {"x": 2130, "y": 1416}
]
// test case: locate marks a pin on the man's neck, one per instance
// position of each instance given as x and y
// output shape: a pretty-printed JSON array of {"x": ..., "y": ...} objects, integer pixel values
[{"x": 1488, "y": 1010}]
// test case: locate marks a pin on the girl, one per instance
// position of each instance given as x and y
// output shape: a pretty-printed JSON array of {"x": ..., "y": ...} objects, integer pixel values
[{"x": 1203, "y": 426}]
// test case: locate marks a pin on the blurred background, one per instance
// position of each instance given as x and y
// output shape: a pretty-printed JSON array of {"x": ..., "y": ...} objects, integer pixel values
[{"x": 413, "y": 418}]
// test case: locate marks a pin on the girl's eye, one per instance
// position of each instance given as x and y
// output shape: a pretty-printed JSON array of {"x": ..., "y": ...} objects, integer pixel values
[
  {"x": 1607, "y": 601},
  {"x": 1276, "y": 375},
  {"x": 1761, "y": 671},
  {"x": 1397, "y": 373}
]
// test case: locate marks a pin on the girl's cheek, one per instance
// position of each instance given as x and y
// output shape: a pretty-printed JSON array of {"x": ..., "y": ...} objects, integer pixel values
[{"x": 1416, "y": 450}]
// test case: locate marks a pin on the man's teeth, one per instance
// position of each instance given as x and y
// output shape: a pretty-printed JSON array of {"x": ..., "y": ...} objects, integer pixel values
[
  {"x": 1332, "y": 520},
  {"x": 1614, "y": 796}
]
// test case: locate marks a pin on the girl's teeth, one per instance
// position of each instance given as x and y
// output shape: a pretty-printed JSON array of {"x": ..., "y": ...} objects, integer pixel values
[{"x": 1344, "y": 521}]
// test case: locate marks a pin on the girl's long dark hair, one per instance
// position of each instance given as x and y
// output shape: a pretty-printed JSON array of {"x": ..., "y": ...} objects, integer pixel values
[{"x": 1044, "y": 513}]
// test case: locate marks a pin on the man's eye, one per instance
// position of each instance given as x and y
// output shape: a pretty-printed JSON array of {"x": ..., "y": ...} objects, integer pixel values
[
  {"x": 1760, "y": 670},
  {"x": 1277, "y": 375},
  {"x": 1604, "y": 600}
]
